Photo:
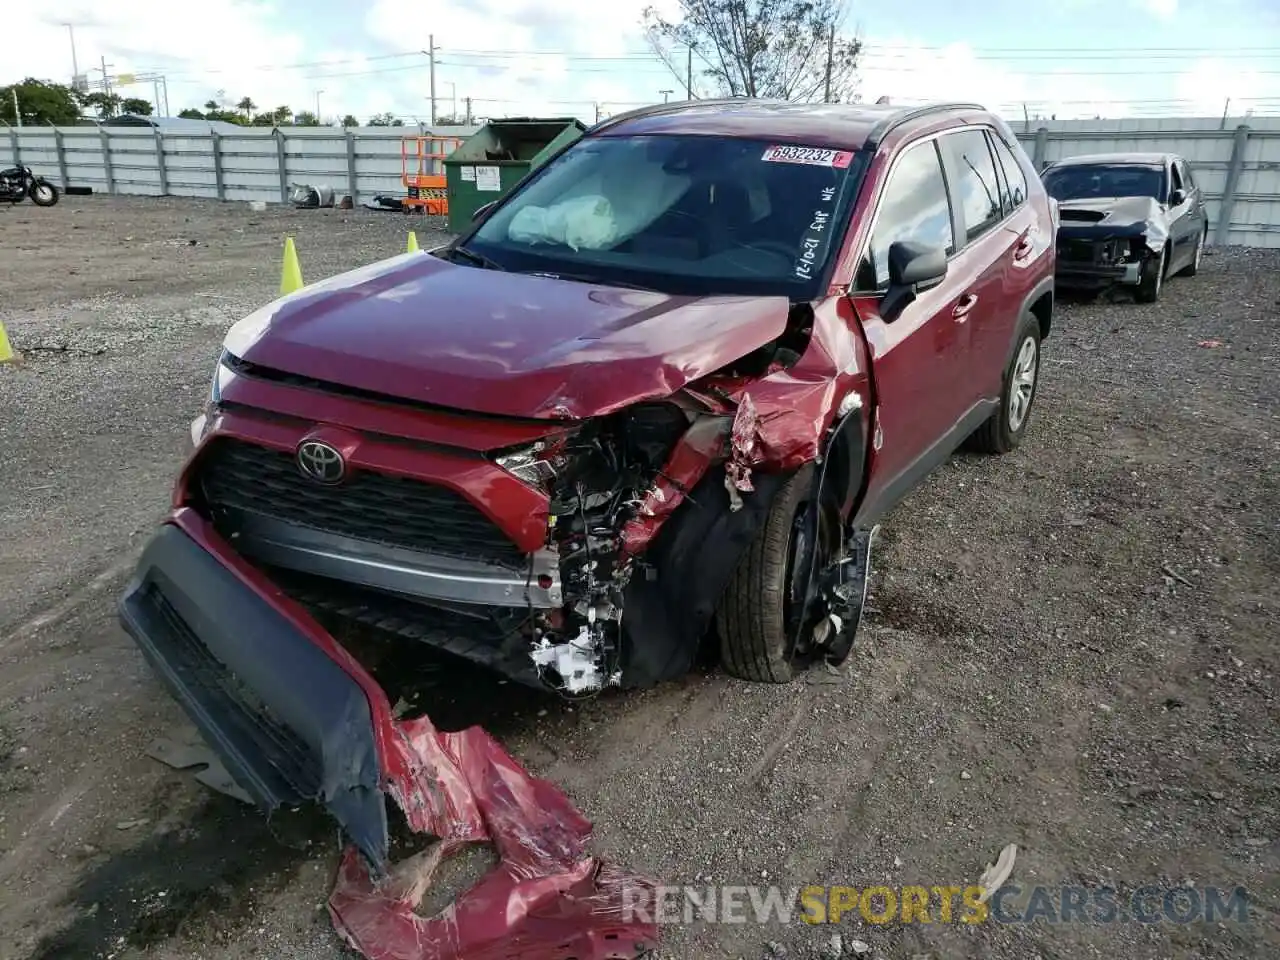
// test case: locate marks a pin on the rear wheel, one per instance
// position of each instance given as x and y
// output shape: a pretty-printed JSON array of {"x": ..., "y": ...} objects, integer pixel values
[
  {"x": 761, "y": 636},
  {"x": 1191, "y": 269},
  {"x": 1004, "y": 430}
]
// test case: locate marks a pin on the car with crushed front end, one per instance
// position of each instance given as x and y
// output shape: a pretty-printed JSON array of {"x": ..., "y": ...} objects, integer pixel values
[
  {"x": 655, "y": 398},
  {"x": 1131, "y": 219}
]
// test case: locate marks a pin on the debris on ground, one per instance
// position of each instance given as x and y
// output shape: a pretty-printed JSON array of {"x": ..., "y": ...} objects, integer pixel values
[
  {"x": 995, "y": 875},
  {"x": 547, "y": 899}
]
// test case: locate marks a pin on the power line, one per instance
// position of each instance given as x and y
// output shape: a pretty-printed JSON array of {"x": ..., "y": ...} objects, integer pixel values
[{"x": 867, "y": 50}]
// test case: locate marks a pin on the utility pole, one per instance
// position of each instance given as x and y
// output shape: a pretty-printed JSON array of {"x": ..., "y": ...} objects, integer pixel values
[
  {"x": 453, "y": 101},
  {"x": 155, "y": 91},
  {"x": 666, "y": 95},
  {"x": 468, "y": 99},
  {"x": 597, "y": 105},
  {"x": 318, "y": 92},
  {"x": 431, "y": 55},
  {"x": 106, "y": 79},
  {"x": 831, "y": 46},
  {"x": 688, "y": 73},
  {"x": 17, "y": 114},
  {"x": 164, "y": 85}
]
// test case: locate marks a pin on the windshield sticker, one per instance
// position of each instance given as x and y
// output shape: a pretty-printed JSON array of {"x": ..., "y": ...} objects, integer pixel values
[
  {"x": 814, "y": 156},
  {"x": 816, "y": 237}
]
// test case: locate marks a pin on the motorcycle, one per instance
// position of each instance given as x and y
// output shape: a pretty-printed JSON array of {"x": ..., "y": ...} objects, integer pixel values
[{"x": 19, "y": 182}]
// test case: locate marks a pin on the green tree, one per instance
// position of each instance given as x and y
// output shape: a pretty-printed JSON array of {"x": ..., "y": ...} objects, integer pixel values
[
  {"x": 136, "y": 105},
  {"x": 191, "y": 113},
  {"x": 283, "y": 115},
  {"x": 211, "y": 105},
  {"x": 227, "y": 116},
  {"x": 107, "y": 104},
  {"x": 773, "y": 49},
  {"x": 350, "y": 121},
  {"x": 384, "y": 120},
  {"x": 306, "y": 119},
  {"x": 246, "y": 106},
  {"x": 39, "y": 102}
]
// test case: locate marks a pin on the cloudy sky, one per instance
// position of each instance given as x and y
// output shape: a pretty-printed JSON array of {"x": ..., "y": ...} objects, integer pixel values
[{"x": 558, "y": 57}]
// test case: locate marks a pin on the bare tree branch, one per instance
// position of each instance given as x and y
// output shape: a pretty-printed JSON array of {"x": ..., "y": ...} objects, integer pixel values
[{"x": 772, "y": 49}]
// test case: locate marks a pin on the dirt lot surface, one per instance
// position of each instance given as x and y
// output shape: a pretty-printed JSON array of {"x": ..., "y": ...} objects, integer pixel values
[{"x": 1073, "y": 648}]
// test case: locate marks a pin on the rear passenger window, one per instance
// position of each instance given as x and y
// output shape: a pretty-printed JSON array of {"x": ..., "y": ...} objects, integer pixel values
[
  {"x": 1013, "y": 188},
  {"x": 913, "y": 207},
  {"x": 975, "y": 184}
]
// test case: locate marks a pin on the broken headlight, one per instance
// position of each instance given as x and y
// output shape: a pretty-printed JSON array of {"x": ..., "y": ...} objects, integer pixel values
[{"x": 537, "y": 464}]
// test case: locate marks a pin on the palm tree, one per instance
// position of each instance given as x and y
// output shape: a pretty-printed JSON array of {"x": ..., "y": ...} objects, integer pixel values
[
  {"x": 246, "y": 106},
  {"x": 211, "y": 105}
]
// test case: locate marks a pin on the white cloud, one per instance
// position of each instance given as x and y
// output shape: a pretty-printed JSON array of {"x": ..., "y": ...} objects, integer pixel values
[{"x": 248, "y": 48}]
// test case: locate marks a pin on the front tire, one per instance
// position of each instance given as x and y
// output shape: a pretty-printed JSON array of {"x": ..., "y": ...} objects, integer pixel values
[
  {"x": 1005, "y": 428},
  {"x": 756, "y": 618},
  {"x": 1152, "y": 280},
  {"x": 44, "y": 194}
]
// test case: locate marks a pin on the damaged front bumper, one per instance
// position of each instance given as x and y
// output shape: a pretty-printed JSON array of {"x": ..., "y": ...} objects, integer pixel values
[
  {"x": 294, "y": 718},
  {"x": 1095, "y": 263},
  {"x": 286, "y": 719}
]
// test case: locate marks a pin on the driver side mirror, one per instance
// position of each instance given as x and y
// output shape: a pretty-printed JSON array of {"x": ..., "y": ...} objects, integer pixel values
[
  {"x": 483, "y": 210},
  {"x": 1177, "y": 198},
  {"x": 913, "y": 267}
]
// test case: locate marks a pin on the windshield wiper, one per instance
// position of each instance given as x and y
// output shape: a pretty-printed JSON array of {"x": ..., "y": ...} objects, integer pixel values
[
  {"x": 586, "y": 278},
  {"x": 479, "y": 259}
]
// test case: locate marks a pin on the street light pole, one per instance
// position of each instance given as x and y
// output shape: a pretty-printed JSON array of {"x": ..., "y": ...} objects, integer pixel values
[
  {"x": 666, "y": 95},
  {"x": 75, "y": 67},
  {"x": 318, "y": 92}
]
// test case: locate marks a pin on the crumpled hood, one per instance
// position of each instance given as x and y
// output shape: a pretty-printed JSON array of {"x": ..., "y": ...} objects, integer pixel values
[
  {"x": 424, "y": 329},
  {"x": 1098, "y": 217}
]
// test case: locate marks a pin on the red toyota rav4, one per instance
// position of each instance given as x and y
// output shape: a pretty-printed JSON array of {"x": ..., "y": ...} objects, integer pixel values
[{"x": 658, "y": 394}]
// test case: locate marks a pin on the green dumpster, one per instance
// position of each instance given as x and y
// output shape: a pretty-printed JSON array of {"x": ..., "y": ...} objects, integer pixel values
[{"x": 496, "y": 157}]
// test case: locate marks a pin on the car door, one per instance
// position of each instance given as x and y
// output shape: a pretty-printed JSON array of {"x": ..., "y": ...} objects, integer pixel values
[
  {"x": 1183, "y": 221},
  {"x": 994, "y": 237},
  {"x": 1199, "y": 215},
  {"x": 917, "y": 353}
]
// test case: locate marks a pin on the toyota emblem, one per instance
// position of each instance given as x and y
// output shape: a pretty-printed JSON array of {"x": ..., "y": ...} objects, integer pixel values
[{"x": 321, "y": 462}]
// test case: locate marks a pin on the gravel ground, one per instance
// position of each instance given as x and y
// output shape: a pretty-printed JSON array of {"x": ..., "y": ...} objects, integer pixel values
[{"x": 1071, "y": 648}]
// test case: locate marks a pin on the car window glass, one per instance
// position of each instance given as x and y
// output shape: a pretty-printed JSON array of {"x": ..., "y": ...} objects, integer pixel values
[
  {"x": 977, "y": 191},
  {"x": 684, "y": 214},
  {"x": 1184, "y": 171},
  {"x": 1014, "y": 187},
  {"x": 1081, "y": 181},
  {"x": 913, "y": 207},
  {"x": 1177, "y": 177}
]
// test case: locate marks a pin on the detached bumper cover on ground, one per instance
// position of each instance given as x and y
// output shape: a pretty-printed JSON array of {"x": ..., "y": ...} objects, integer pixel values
[{"x": 294, "y": 717}]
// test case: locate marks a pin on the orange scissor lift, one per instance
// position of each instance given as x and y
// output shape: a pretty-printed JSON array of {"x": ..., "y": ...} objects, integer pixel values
[{"x": 422, "y": 171}]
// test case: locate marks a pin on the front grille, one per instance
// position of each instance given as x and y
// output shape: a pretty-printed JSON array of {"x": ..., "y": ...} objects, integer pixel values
[
  {"x": 369, "y": 506},
  {"x": 1078, "y": 251},
  {"x": 244, "y": 716}
]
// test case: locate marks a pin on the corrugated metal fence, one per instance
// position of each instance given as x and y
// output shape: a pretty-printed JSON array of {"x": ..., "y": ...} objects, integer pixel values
[
  {"x": 253, "y": 163},
  {"x": 1236, "y": 162}
]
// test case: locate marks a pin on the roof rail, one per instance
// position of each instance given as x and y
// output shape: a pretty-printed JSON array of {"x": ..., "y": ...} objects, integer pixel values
[
  {"x": 892, "y": 122},
  {"x": 658, "y": 109}
]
